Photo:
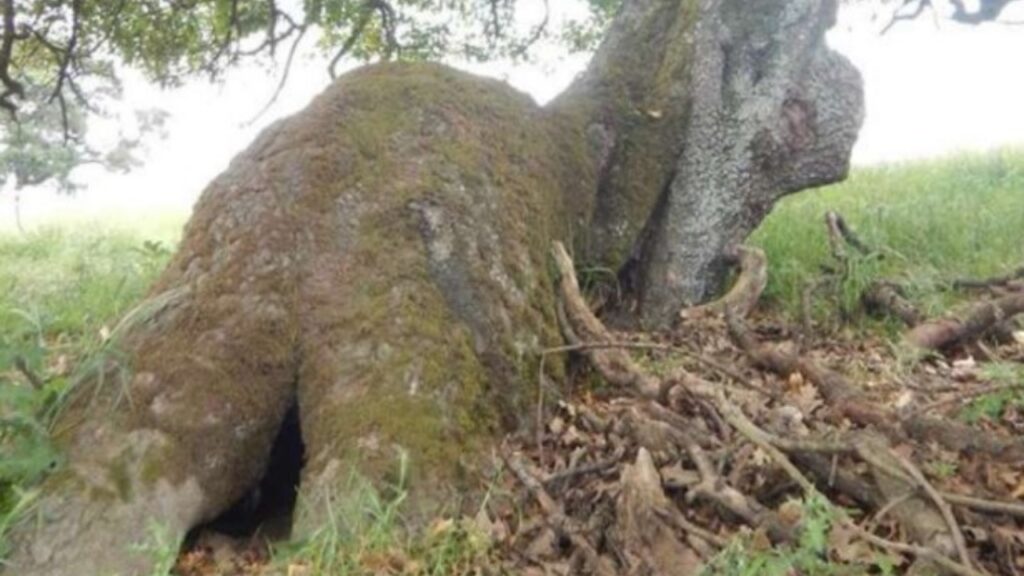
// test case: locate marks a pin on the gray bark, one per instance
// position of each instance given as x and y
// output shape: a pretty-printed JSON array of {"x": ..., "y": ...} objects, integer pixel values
[{"x": 773, "y": 111}]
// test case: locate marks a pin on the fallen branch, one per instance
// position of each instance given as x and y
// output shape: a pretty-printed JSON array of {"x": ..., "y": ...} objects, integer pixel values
[
  {"x": 704, "y": 359},
  {"x": 920, "y": 521},
  {"x": 988, "y": 283},
  {"x": 738, "y": 420},
  {"x": 961, "y": 396},
  {"x": 920, "y": 552},
  {"x": 714, "y": 488},
  {"x": 844, "y": 398},
  {"x": 948, "y": 332},
  {"x": 886, "y": 298},
  {"x": 941, "y": 504},
  {"x": 674, "y": 517},
  {"x": 899, "y": 493},
  {"x": 848, "y": 401},
  {"x": 554, "y": 516},
  {"x": 583, "y": 469},
  {"x": 984, "y": 505},
  {"x": 840, "y": 234}
]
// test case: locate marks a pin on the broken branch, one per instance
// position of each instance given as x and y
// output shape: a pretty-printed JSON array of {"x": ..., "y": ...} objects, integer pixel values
[{"x": 948, "y": 332}]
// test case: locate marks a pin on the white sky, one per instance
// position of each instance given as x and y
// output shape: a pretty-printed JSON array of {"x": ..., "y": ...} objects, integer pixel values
[{"x": 932, "y": 88}]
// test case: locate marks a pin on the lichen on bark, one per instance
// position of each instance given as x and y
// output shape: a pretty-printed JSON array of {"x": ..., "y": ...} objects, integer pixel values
[{"x": 773, "y": 111}]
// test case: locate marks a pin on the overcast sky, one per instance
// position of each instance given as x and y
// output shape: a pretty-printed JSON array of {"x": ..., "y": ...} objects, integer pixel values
[{"x": 932, "y": 88}]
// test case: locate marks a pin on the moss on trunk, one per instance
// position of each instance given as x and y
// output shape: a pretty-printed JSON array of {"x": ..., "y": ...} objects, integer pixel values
[
  {"x": 381, "y": 258},
  {"x": 380, "y": 261}
]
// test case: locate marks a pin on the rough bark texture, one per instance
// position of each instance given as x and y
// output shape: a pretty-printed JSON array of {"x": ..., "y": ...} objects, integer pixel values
[
  {"x": 380, "y": 260},
  {"x": 773, "y": 111}
]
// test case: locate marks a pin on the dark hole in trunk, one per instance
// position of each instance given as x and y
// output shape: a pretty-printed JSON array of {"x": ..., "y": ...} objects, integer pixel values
[{"x": 266, "y": 511}]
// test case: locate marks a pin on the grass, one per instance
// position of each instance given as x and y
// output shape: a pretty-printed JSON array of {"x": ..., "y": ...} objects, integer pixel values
[
  {"x": 938, "y": 220},
  {"x": 72, "y": 281},
  {"x": 363, "y": 534},
  {"x": 63, "y": 290}
]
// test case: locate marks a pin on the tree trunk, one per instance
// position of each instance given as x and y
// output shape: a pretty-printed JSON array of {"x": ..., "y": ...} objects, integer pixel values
[
  {"x": 772, "y": 111},
  {"x": 378, "y": 263}
]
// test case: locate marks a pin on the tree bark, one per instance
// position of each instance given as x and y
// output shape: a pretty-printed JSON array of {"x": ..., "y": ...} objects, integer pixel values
[
  {"x": 773, "y": 111},
  {"x": 380, "y": 261}
]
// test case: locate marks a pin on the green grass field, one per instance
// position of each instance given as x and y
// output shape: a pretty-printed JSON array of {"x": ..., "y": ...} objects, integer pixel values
[
  {"x": 961, "y": 216},
  {"x": 63, "y": 288},
  {"x": 934, "y": 221}
]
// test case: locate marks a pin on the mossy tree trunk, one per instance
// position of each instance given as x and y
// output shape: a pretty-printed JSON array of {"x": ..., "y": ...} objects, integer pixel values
[{"x": 379, "y": 262}]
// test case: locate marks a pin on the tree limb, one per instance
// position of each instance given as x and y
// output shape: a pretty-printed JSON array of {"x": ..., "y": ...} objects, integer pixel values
[{"x": 12, "y": 87}]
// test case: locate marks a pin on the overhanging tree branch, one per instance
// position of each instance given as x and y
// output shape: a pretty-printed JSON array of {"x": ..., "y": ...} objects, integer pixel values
[
  {"x": 12, "y": 88},
  {"x": 284, "y": 74},
  {"x": 897, "y": 16},
  {"x": 987, "y": 11}
]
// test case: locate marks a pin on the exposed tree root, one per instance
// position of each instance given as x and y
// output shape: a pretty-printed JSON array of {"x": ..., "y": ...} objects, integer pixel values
[
  {"x": 657, "y": 481},
  {"x": 746, "y": 291},
  {"x": 614, "y": 363}
]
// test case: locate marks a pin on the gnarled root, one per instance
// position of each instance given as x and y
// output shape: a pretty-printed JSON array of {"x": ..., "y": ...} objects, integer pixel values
[
  {"x": 745, "y": 293},
  {"x": 642, "y": 519}
]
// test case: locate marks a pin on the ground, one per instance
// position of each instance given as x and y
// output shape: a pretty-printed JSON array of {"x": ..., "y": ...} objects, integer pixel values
[{"x": 930, "y": 222}]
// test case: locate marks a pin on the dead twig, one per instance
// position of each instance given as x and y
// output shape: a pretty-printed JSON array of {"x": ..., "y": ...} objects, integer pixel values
[
  {"x": 941, "y": 504},
  {"x": 583, "y": 470},
  {"x": 554, "y": 516},
  {"x": 921, "y": 552},
  {"x": 738, "y": 420},
  {"x": 674, "y": 517},
  {"x": 961, "y": 396},
  {"x": 696, "y": 356},
  {"x": 714, "y": 488},
  {"x": 32, "y": 377},
  {"x": 985, "y": 505}
]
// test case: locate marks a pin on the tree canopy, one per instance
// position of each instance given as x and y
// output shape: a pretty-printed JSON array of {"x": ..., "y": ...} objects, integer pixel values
[{"x": 59, "y": 59}]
